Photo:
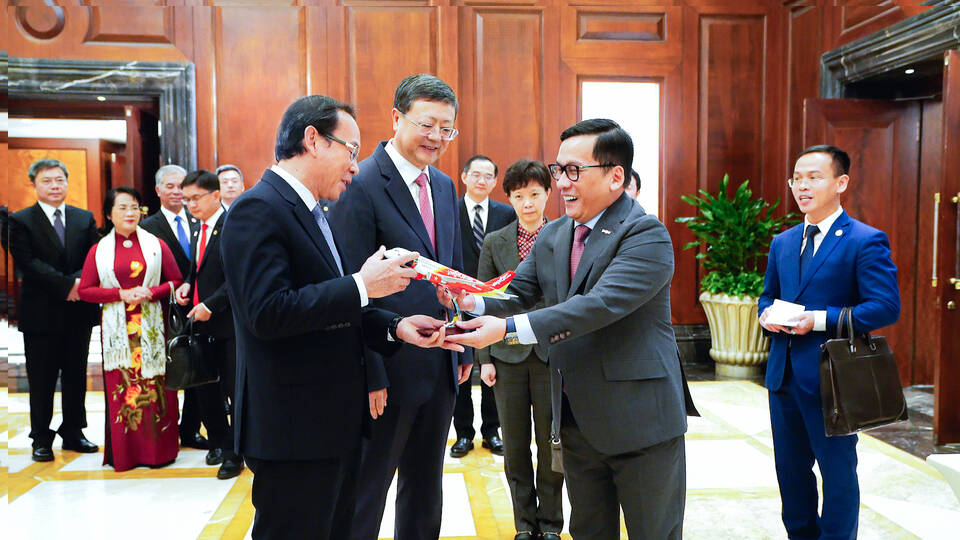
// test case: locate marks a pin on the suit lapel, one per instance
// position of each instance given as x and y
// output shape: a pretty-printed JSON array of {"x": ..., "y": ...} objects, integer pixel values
[
  {"x": 835, "y": 235},
  {"x": 400, "y": 195},
  {"x": 72, "y": 232},
  {"x": 598, "y": 240},
  {"x": 213, "y": 241},
  {"x": 303, "y": 215},
  {"x": 509, "y": 247},
  {"x": 562, "y": 243},
  {"x": 467, "y": 226},
  {"x": 791, "y": 263},
  {"x": 44, "y": 225},
  {"x": 443, "y": 218}
]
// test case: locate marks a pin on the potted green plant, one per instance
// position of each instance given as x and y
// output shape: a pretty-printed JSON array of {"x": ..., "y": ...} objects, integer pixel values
[{"x": 735, "y": 235}]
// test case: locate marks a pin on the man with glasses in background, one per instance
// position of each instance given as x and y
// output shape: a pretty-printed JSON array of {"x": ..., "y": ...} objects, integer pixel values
[
  {"x": 231, "y": 184},
  {"x": 479, "y": 215},
  {"x": 604, "y": 273},
  {"x": 398, "y": 199}
]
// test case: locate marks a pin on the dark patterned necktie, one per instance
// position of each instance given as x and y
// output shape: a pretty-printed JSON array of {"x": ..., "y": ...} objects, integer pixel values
[
  {"x": 58, "y": 226},
  {"x": 806, "y": 256},
  {"x": 576, "y": 251},
  {"x": 477, "y": 226}
]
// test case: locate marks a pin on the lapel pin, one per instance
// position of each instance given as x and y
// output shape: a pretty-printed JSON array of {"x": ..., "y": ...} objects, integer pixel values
[
  {"x": 604, "y": 231},
  {"x": 215, "y": 232},
  {"x": 326, "y": 208},
  {"x": 839, "y": 232}
]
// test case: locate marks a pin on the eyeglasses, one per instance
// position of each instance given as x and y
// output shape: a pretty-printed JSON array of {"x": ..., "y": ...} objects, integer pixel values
[
  {"x": 800, "y": 181},
  {"x": 195, "y": 198},
  {"x": 572, "y": 170},
  {"x": 476, "y": 175},
  {"x": 446, "y": 133},
  {"x": 354, "y": 149}
]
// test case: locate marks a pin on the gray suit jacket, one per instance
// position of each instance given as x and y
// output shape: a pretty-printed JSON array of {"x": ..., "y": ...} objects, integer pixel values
[
  {"x": 499, "y": 255},
  {"x": 611, "y": 342}
]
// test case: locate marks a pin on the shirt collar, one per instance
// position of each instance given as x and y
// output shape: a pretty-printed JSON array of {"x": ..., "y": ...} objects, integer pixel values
[
  {"x": 408, "y": 171},
  {"x": 171, "y": 217},
  {"x": 826, "y": 223},
  {"x": 297, "y": 186},
  {"x": 212, "y": 221},
  {"x": 593, "y": 222},
  {"x": 49, "y": 210},
  {"x": 471, "y": 204}
]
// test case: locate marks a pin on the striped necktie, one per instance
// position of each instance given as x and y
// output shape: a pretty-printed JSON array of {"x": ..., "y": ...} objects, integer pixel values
[{"x": 477, "y": 227}]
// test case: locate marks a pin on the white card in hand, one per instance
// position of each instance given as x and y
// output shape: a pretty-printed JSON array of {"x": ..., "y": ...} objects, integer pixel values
[{"x": 783, "y": 313}]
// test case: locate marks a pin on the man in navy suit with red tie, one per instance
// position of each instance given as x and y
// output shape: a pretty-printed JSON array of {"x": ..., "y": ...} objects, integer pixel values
[
  {"x": 398, "y": 199},
  {"x": 828, "y": 262}
]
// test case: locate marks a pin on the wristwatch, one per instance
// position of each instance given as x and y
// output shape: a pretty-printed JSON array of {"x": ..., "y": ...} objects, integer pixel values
[
  {"x": 392, "y": 329},
  {"x": 511, "y": 337}
]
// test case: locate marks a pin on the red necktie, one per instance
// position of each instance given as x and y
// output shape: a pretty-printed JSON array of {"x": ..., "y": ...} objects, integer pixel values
[
  {"x": 576, "y": 251},
  {"x": 426, "y": 211},
  {"x": 200, "y": 249}
]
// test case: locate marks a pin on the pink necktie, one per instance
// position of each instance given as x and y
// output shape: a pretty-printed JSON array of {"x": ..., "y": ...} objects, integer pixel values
[
  {"x": 576, "y": 251},
  {"x": 426, "y": 212}
]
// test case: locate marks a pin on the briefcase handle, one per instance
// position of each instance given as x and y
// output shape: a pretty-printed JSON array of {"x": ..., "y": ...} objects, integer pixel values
[{"x": 846, "y": 315}]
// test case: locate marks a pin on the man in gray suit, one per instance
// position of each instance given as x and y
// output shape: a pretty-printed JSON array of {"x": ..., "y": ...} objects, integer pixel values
[{"x": 604, "y": 272}]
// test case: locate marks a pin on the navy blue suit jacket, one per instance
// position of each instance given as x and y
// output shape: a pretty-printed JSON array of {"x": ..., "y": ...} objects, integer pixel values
[
  {"x": 378, "y": 209},
  {"x": 299, "y": 328},
  {"x": 851, "y": 268}
]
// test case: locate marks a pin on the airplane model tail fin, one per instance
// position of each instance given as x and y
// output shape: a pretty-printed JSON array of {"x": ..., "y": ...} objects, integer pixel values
[{"x": 500, "y": 283}]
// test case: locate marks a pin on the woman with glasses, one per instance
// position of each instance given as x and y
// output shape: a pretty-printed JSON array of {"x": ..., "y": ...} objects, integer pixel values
[
  {"x": 519, "y": 374},
  {"x": 130, "y": 272}
]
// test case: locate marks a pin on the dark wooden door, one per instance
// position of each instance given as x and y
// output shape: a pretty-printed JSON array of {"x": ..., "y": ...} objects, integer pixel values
[
  {"x": 946, "y": 408},
  {"x": 883, "y": 140}
]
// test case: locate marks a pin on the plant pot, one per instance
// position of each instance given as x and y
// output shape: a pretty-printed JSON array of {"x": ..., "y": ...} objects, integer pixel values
[{"x": 738, "y": 345}]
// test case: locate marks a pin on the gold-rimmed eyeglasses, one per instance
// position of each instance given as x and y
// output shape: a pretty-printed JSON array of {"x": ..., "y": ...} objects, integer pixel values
[
  {"x": 195, "y": 198},
  {"x": 354, "y": 149},
  {"x": 446, "y": 133}
]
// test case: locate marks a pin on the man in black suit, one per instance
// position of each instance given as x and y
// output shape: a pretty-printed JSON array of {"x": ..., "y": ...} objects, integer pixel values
[
  {"x": 174, "y": 225},
  {"x": 399, "y": 200},
  {"x": 49, "y": 242},
  {"x": 206, "y": 292},
  {"x": 300, "y": 324},
  {"x": 479, "y": 215}
]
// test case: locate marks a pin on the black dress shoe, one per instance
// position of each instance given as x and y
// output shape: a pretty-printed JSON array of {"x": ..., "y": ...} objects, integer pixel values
[
  {"x": 80, "y": 444},
  {"x": 194, "y": 441},
  {"x": 232, "y": 466},
  {"x": 215, "y": 456},
  {"x": 525, "y": 535},
  {"x": 550, "y": 536},
  {"x": 462, "y": 447},
  {"x": 495, "y": 444},
  {"x": 42, "y": 453}
]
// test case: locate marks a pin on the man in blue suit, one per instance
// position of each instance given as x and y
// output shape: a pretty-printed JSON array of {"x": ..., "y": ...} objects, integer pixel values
[
  {"x": 398, "y": 199},
  {"x": 829, "y": 262}
]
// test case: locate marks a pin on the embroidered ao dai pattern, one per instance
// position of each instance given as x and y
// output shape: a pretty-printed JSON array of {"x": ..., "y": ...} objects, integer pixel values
[{"x": 141, "y": 423}]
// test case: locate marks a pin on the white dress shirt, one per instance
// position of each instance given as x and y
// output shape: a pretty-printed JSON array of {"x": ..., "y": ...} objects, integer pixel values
[
  {"x": 409, "y": 173},
  {"x": 310, "y": 202},
  {"x": 472, "y": 210},
  {"x": 49, "y": 210},
  {"x": 819, "y": 316}
]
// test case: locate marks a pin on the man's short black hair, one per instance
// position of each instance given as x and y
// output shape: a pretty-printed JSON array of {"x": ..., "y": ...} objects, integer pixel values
[
  {"x": 205, "y": 180},
  {"x": 423, "y": 86},
  {"x": 317, "y": 111},
  {"x": 41, "y": 165},
  {"x": 480, "y": 157},
  {"x": 524, "y": 172},
  {"x": 841, "y": 161},
  {"x": 225, "y": 168},
  {"x": 613, "y": 144}
]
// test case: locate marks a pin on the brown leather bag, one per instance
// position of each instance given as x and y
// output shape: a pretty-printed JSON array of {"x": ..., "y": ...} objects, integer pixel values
[{"x": 859, "y": 382}]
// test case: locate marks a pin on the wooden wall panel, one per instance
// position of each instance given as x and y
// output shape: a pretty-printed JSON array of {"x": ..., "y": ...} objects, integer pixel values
[
  {"x": 731, "y": 98},
  {"x": 928, "y": 336},
  {"x": 638, "y": 31},
  {"x": 803, "y": 41},
  {"x": 130, "y": 25},
  {"x": 251, "y": 98}
]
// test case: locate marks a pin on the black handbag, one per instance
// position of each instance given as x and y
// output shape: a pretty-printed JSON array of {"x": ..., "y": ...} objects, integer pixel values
[
  {"x": 859, "y": 382},
  {"x": 188, "y": 360},
  {"x": 177, "y": 320}
]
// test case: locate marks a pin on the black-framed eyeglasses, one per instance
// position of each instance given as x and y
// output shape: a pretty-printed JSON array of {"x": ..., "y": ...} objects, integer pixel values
[
  {"x": 354, "y": 149},
  {"x": 195, "y": 198},
  {"x": 572, "y": 170},
  {"x": 446, "y": 133}
]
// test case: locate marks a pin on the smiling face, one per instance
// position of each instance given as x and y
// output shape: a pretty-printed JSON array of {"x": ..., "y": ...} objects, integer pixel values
[
  {"x": 125, "y": 214},
  {"x": 51, "y": 186},
  {"x": 422, "y": 150},
  {"x": 480, "y": 179},
  {"x": 816, "y": 187},
  {"x": 333, "y": 168},
  {"x": 171, "y": 196},
  {"x": 596, "y": 189}
]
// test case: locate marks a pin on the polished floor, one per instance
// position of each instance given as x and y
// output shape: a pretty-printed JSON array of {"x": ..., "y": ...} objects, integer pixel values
[{"x": 731, "y": 491}]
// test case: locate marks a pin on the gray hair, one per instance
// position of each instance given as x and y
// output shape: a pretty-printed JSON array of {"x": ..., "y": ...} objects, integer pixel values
[
  {"x": 41, "y": 165},
  {"x": 168, "y": 169},
  {"x": 225, "y": 168}
]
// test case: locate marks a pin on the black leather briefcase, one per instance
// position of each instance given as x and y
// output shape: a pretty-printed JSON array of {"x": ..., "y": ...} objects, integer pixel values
[
  {"x": 189, "y": 361},
  {"x": 859, "y": 382}
]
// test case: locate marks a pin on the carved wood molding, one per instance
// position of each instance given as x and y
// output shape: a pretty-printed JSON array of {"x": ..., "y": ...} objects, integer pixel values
[
  {"x": 920, "y": 38},
  {"x": 172, "y": 83}
]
